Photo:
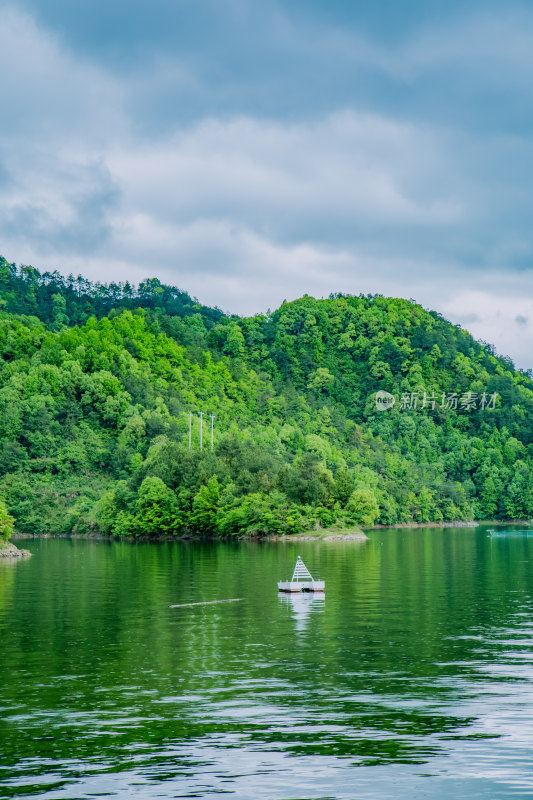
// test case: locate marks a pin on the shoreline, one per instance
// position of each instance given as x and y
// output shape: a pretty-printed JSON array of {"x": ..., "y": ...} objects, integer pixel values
[
  {"x": 320, "y": 535},
  {"x": 9, "y": 552},
  {"x": 326, "y": 535},
  {"x": 452, "y": 524},
  {"x": 415, "y": 525}
]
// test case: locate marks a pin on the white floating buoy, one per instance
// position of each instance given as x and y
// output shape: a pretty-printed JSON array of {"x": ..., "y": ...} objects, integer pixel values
[{"x": 301, "y": 581}]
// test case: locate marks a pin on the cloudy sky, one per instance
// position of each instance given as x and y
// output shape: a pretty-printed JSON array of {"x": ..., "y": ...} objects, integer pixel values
[{"x": 252, "y": 150}]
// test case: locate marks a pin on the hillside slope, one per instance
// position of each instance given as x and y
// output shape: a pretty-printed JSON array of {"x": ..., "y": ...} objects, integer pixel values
[{"x": 94, "y": 418}]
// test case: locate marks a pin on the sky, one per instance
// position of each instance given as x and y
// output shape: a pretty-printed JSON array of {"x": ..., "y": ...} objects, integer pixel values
[{"x": 252, "y": 151}]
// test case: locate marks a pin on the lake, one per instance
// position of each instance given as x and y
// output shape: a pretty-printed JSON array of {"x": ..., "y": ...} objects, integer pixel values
[{"x": 410, "y": 678}]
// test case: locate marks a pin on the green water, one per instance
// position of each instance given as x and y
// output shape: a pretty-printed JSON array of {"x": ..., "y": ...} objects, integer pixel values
[{"x": 412, "y": 677}]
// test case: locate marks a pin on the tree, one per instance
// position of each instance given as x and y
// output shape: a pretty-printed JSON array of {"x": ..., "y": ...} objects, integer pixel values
[
  {"x": 489, "y": 498},
  {"x": 362, "y": 508},
  {"x": 59, "y": 312},
  {"x": 205, "y": 507},
  {"x": 343, "y": 486},
  {"x": 321, "y": 380},
  {"x": 235, "y": 344},
  {"x": 156, "y": 508},
  {"x": 6, "y": 522},
  {"x": 305, "y": 481}
]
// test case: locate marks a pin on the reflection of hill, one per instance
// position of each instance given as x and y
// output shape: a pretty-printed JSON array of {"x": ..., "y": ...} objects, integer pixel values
[
  {"x": 375, "y": 672},
  {"x": 7, "y": 578}
]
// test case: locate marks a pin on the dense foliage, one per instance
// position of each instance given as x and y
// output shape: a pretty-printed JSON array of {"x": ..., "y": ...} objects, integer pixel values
[
  {"x": 60, "y": 301},
  {"x": 6, "y": 523},
  {"x": 97, "y": 383}
]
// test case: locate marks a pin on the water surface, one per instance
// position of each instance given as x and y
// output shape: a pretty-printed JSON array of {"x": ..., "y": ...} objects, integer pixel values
[{"x": 412, "y": 677}]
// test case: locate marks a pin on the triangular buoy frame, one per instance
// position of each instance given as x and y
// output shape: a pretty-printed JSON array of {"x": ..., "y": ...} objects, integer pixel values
[
  {"x": 301, "y": 573},
  {"x": 301, "y": 581}
]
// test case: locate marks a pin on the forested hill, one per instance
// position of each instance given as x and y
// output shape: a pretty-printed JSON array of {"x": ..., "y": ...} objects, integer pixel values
[
  {"x": 97, "y": 383},
  {"x": 58, "y": 301}
]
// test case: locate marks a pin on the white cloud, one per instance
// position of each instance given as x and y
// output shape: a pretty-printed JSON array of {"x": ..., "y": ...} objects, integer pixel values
[
  {"x": 47, "y": 95},
  {"x": 497, "y": 317},
  {"x": 346, "y": 169},
  {"x": 244, "y": 212}
]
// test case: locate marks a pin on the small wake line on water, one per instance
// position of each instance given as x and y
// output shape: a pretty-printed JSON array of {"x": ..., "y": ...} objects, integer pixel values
[{"x": 206, "y": 602}]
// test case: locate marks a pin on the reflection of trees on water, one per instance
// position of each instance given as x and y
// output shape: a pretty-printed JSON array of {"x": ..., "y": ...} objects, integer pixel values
[
  {"x": 7, "y": 577},
  {"x": 379, "y": 662}
]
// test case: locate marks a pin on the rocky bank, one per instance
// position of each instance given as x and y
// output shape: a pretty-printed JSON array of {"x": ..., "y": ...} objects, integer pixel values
[{"x": 10, "y": 552}]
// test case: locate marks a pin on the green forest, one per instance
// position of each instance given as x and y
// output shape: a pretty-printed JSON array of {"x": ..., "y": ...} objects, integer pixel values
[{"x": 97, "y": 382}]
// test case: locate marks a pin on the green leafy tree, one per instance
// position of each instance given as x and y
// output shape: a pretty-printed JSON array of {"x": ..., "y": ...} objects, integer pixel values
[
  {"x": 344, "y": 484},
  {"x": 59, "y": 312},
  {"x": 156, "y": 508},
  {"x": 362, "y": 508},
  {"x": 321, "y": 380},
  {"x": 6, "y": 522},
  {"x": 205, "y": 507},
  {"x": 489, "y": 498},
  {"x": 235, "y": 344}
]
